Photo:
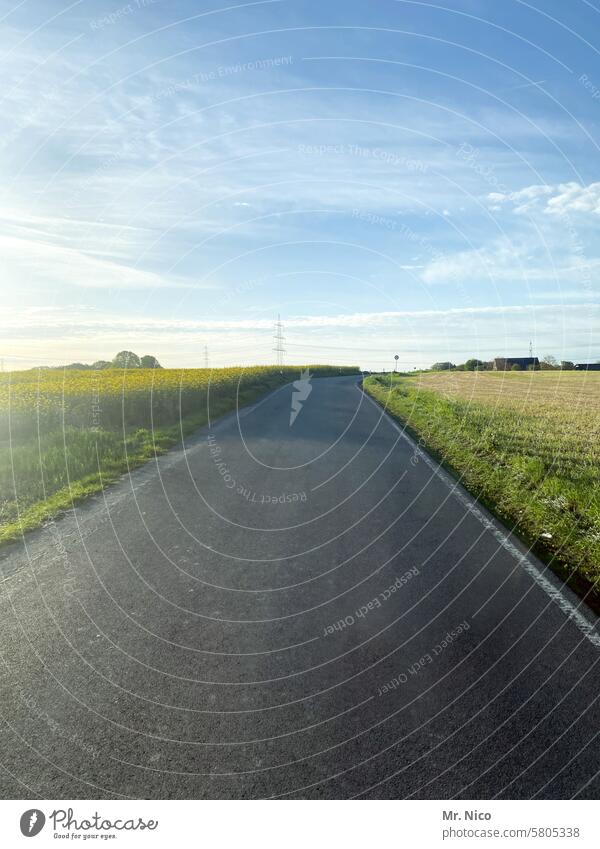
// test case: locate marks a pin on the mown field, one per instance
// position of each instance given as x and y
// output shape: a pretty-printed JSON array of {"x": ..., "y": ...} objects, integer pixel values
[
  {"x": 527, "y": 444},
  {"x": 64, "y": 434}
]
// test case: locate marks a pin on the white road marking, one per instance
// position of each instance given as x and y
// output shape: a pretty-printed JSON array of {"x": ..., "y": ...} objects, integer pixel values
[{"x": 554, "y": 593}]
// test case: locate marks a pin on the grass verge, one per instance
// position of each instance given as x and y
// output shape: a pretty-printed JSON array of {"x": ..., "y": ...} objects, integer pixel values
[{"x": 520, "y": 448}]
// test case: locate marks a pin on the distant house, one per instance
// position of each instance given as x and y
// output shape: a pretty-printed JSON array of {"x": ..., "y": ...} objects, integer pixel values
[
  {"x": 524, "y": 363},
  {"x": 587, "y": 366}
]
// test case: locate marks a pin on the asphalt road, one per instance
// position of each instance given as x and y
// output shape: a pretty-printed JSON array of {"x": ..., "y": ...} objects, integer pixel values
[{"x": 292, "y": 611}]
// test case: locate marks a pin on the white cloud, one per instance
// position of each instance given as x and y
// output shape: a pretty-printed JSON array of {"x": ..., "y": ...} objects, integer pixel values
[
  {"x": 555, "y": 199},
  {"x": 573, "y": 197}
]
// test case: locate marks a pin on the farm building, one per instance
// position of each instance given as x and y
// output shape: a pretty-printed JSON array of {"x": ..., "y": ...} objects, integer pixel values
[
  {"x": 587, "y": 366},
  {"x": 524, "y": 363}
]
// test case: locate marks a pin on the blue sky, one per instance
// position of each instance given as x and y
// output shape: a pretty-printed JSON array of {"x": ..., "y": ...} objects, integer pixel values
[{"x": 390, "y": 177}]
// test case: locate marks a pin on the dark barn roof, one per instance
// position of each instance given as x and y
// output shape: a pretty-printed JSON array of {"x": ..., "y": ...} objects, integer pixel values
[
  {"x": 501, "y": 363},
  {"x": 588, "y": 366}
]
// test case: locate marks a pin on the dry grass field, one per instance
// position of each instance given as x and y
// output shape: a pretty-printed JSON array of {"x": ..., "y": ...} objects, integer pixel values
[{"x": 526, "y": 443}]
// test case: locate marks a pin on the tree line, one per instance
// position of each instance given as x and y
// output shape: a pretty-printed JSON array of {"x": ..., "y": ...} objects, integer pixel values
[
  {"x": 547, "y": 363},
  {"x": 124, "y": 359}
]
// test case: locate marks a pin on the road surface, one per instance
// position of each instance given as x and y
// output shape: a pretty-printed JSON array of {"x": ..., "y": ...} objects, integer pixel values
[{"x": 295, "y": 611}]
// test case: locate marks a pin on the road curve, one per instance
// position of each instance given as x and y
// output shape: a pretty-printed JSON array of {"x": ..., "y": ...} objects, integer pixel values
[{"x": 302, "y": 610}]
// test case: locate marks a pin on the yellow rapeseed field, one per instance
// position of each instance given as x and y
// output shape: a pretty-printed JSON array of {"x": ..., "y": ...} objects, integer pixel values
[
  {"x": 115, "y": 398},
  {"x": 65, "y": 433}
]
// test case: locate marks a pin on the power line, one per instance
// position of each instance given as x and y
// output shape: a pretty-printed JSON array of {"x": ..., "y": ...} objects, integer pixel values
[{"x": 279, "y": 340}]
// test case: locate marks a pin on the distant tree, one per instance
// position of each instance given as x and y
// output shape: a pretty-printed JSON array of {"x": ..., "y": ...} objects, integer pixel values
[
  {"x": 442, "y": 366},
  {"x": 77, "y": 366},
  {"x": 551, "y": 361},
  {"x": 567, "y": 365},
  {"x": 148, "y": 361},
  {"x": 474, "y": 365},
  {"x": 100, "y": 364},
  {"x": 515, "y": 367},
  {"x": 126, "y": 359}
]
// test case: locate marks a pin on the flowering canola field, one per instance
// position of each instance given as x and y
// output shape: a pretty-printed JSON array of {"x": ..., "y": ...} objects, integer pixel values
[
  {"x": 65, "y": 433},
  {"x": 109, "y": 399}
]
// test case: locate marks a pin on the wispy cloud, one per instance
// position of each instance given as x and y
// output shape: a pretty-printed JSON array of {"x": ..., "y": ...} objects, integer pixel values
[
  {"x": 86, "y": 320},
  {"x": 369, "y": 338},
  {"x": 64, "y": 267},
  {"x": 505, "y": 261}
]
